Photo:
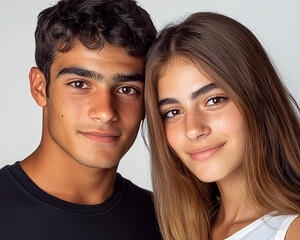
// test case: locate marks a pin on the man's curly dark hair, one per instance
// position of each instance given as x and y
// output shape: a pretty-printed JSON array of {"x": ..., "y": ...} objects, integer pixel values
[{"x": 93, "y": 23}]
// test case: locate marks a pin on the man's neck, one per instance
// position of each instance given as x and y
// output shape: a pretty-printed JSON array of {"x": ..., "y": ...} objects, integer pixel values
[{"x": 63, "y": 177}]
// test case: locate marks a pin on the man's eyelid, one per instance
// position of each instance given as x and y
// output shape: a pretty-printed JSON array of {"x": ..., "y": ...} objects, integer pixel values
[
  {"x": 133, "y": 84},
  {"x": 76, "y": 78},
  {"x": 137, "y": 88},
  {"x": 132, "y": 88},
  {"x": 74, "y": 81}
]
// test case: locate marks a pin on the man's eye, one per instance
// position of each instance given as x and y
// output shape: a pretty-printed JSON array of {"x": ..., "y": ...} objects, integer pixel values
[
  {"x": 215, "y": 100},
  {"x": 127, "y": 90},
  {"x": 79, "y": 84}
]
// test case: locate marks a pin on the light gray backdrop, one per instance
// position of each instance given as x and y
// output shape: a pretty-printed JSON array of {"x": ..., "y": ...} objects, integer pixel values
[{"x": 275, "y": 22}]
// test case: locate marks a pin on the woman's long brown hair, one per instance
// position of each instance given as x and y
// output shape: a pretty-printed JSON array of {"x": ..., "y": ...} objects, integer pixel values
[{"x": 235, "y": 60}]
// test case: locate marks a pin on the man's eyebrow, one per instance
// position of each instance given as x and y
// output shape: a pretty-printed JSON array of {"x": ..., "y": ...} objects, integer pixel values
[
  {"x": 203, "y": 90},
  {"x": 98, "y": 76},
  {"x": 129, "y": 78},
  {"x": 194, "y": 95},
  {"x": 81, "y": 72}
]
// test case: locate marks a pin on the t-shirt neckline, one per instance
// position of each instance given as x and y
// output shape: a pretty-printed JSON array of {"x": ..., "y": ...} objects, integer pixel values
[{"x": 55, "y": 202}]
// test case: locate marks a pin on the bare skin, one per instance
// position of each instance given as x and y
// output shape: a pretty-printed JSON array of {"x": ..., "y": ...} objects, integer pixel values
[
  {"x": 90, "y": 120},
  {"x": 235, "y": 211},
  {"x": 206, "y": 130},
  {"x": 293, "y": 232}
]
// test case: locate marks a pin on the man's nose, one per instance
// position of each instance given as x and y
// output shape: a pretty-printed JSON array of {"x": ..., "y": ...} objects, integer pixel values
[{"x": 103, "y": 107}]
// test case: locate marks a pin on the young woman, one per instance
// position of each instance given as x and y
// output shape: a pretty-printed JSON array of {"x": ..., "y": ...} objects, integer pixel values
[{"x": 224, "y": 135}]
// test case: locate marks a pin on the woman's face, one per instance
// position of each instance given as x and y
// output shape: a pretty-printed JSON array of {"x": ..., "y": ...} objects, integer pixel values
[{"x": 202, "y": 124}]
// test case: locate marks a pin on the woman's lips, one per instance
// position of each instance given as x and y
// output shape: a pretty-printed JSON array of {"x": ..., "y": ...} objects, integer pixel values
[{"x": 205, "y": 152}]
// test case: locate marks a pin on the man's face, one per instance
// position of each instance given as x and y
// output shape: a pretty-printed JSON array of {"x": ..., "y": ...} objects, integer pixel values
[{"x": 95, "y": 104}]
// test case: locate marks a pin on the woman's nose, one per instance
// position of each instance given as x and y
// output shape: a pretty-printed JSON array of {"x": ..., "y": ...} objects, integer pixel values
[{"x": 196, "y": 125}]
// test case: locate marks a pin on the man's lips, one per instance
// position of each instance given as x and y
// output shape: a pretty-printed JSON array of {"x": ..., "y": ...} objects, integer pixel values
[
  {"x": 102, "y": 137},
  {"x": 205, "y": 152}
]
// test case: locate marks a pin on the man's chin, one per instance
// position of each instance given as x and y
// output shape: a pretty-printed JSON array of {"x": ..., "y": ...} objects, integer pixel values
[{"x": 98, "y": 164}]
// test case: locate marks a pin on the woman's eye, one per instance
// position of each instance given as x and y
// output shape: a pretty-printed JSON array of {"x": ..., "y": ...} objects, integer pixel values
[
  {"x": 127, "y": 90},
  {"x": 78, "y": 84},
  {"x": 215, "y": 100},
  {"x": 172, "y": 113}
]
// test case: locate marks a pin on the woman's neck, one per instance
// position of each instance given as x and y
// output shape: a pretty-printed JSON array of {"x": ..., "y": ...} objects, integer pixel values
[{"x": 236, "y": 209}]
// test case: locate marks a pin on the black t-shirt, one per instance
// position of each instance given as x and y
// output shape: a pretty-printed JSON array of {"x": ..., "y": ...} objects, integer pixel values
[{"x": 29, "y": 213}]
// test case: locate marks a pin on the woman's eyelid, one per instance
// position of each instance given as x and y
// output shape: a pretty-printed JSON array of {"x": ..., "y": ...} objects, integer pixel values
[
  {"x": 170, "y": 110},
  {"x": 221, "y": 97},
  {"x": 165, "y": 109}
]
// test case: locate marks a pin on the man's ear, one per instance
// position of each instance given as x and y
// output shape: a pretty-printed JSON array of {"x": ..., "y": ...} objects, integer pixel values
[{"x": 38, "y": 86}]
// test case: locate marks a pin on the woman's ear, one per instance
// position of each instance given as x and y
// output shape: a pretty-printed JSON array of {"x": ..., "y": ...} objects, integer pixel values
[{"x": 38, "y": 86}]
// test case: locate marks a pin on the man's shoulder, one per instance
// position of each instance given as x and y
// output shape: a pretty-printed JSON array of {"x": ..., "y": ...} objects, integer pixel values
[
  {"x": 5, "y": 172},
  {"x": 4, "y": 169},
  {"x": 10, "y": 187},
  {"x": 134, "y": 192},
  {"x": 130, "y": 186}
]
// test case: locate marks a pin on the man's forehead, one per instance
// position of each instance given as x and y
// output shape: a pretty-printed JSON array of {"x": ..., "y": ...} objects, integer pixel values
[
  {"x": 106, "y": 50},
  {"x": 109, "y": 61}
]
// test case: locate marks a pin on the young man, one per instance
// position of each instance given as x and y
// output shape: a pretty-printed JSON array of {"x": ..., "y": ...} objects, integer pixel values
[{"x": 89, "y": 82}]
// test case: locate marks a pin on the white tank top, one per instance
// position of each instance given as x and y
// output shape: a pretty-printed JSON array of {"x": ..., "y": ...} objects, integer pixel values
[{"x": 267, "y": 227}]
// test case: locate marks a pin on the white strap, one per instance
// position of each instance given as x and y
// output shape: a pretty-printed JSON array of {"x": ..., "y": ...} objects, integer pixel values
[{"x": 284, "y": 227}]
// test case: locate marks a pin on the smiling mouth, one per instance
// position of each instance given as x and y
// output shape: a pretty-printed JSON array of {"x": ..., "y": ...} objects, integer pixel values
[
  {"x": 203, "y": 153},
  {"x": 101, "y": 137}
]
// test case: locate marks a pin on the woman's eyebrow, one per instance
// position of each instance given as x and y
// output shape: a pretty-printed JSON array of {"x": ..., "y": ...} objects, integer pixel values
[
  {"x": 166, "y": 101},
  {"x": 203, "y": 90},
  {"x": 194, "y": 95}
]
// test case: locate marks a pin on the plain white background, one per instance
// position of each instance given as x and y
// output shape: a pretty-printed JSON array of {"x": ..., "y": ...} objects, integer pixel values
[{"x": 275, "y": 23}]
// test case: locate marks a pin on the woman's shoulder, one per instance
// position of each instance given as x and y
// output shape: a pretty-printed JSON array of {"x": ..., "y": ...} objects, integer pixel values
[
  {"x": 270, "y": 226},
  {"x": 293, "y": 231}
]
